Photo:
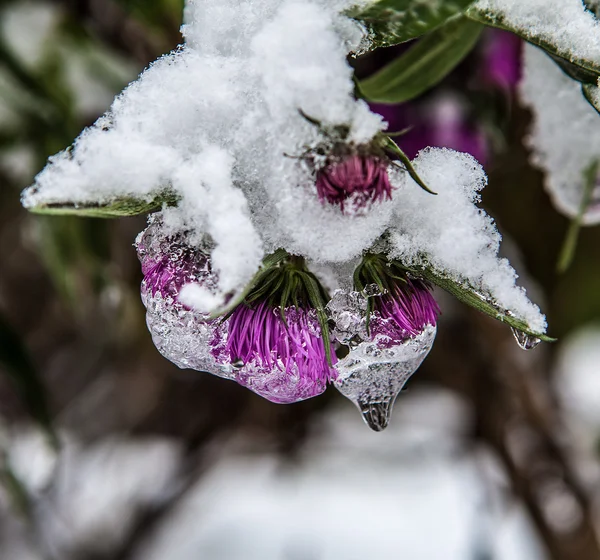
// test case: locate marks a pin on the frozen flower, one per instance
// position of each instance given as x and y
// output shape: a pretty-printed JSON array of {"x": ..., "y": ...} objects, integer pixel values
[
  {"x": 278, "y": 354},
  {"x": 182, "y": 335},
  {"x": 403, "y": 312},
  {"x": 389, "y": 325},
  {"x": 355, "y": 180}
]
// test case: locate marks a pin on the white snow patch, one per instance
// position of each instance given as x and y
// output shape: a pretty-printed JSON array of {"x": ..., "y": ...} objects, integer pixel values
[
  {"x": 450, "y": 233},
  {"x": 565, "y": 24},
  {"x": 565, "y": 137}
]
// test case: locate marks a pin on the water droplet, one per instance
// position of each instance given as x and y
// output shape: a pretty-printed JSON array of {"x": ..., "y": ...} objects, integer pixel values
[
  {"x": 238, "y": 364},
  {"x": 372, "y": 375},
  {"x": 372, "y": 290},
  {"x": 524, "y": 340},
  {"x": 377, "y": 414}
]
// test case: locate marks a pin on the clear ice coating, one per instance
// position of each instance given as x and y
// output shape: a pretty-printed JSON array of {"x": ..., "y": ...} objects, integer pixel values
[
  {"x": 183, "y": 336},
  {"x": 374, "y": 371},
  {"x": 524, "y": 340}
]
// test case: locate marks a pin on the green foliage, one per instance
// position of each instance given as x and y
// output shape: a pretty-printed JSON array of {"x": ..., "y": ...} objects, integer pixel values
[
  {"x": 570, "y": 244},
  {"x": 396, "y": 21},
  {"x": 116, "y": 208},
  {"x": 424, "y": 65}
]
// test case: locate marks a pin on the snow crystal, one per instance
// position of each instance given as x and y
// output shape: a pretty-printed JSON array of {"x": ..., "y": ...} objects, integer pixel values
[
  {"x": 451, "y": 234},
  {"x": 565, "y": 137},
  {"x": 565, "y": 24}
]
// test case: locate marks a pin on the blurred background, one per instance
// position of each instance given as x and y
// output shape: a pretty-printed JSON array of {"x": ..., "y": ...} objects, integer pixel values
[{"x": 108, "y": 451}]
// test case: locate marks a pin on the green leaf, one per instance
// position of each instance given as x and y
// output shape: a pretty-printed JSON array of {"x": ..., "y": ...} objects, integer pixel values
[
  {"x": 18, "y": 365},
  {"x": 396, "y": 21},
  {"x": 424, "y": 65},
  {"x": 471, "y": 297},
  {"x": 567, "y": 252},
  {"x": 115, "y": 208}
]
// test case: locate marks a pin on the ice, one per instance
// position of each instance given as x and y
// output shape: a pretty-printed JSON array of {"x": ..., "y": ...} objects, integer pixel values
[
  {"x": 184, "y": 336},
  {"x": 450, "y": 233},
  {"x": 565, "y": 136},
  {"x": 372, "y": 375},
  {"x": 565, "y": 24},
  {"x": 374, "y": 372}
]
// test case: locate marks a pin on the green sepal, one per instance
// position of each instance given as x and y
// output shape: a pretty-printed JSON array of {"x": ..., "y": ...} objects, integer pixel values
[
  {"x": 390, "y": 22},
  {"x": 393, "y": 148},
  {"x": 262, "y": 277},
  {"x": 115, "y": 208},
  {"x": 424, "y": 65}
]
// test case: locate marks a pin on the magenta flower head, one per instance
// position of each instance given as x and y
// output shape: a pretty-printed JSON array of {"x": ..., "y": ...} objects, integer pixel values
[
  {"x": 278, "y": 339},
  {"x": 170, "y": 261},
  {"x": 389, "y": 325},
  {"x": 351, "y": 176},
  {"x": 354, "y": 181}
]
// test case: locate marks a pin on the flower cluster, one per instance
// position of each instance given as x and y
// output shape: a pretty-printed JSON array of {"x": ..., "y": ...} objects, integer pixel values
[{"x": 283, "y": 338}]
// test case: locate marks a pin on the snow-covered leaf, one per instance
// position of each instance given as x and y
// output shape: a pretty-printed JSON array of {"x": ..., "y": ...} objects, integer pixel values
[
  {"x": 565, "y": 135},
  {"x": 466, "y": 294},
  {"x": 564, "y": 28},
  {"x": 396, "y": 21},
  {"x": 423, "y": 65},
  {"x": 453, "y": 243},
  {"x": 116, "y": 208}
]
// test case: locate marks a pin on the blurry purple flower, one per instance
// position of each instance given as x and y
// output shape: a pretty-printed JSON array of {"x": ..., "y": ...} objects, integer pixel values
[
  {"x": 441, "y": 121},
  {"x": 282, "y": 358},
  {"x": 501, "y": 59},
  {"x": 355, "y": 180}
]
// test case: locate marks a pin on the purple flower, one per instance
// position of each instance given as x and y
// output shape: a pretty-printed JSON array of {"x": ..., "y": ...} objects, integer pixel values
[
  {"x": 501, "y": 59},
  {"x": 403, "y": 312},
  {"x": 389, "y": 325},
  {"x": 441, "y": 121},
  {"x": 281, "y": 358},
  {"x": 356, "y": 180}
]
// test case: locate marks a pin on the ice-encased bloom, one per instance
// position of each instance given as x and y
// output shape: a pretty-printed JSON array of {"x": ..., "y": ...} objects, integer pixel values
[
  {"x": 278, "y": 355},
  {"x": 355, "y": 180},
  {"x": 182, "y": 335},
  {"x": 388, "y": 339}
]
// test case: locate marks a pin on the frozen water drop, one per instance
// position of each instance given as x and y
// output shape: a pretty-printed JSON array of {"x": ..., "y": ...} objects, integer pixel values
[
  {"x": 373, "y": 374},
  {"x": 377, "y": 414},
  {"x": 372, "y": 290},
  {"x": 524, "y": 340},
  {"x": 238, "y": 364}
]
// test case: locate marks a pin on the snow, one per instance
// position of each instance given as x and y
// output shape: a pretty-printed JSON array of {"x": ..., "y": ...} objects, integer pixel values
[
  {"x": 218, "y": 122},
  {"x": 565, "y": 137},
  {"x": 350, "y": 495},
  {"x": 451, "y": 234},
  {"x": 564, "y": 24}
]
